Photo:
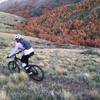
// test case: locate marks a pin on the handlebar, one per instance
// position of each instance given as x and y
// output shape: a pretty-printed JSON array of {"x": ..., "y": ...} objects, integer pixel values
[
  {"x": 19, "y": 52},
  {"x": 14, "y": 54}
]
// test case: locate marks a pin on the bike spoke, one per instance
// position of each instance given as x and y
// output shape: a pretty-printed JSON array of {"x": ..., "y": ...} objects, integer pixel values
[
  {"x": 13, "y": 67},
  {"x": 38, "y": 74}
]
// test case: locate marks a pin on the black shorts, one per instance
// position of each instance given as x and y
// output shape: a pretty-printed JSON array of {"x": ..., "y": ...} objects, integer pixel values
[{"x": 25, "y": 58}]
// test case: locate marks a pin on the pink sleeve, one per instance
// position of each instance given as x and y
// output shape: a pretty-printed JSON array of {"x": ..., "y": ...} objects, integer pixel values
[{"x": 14, "y": 50}]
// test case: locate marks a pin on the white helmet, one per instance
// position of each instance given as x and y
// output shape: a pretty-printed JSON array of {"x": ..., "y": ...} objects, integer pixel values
[{"x": 18, "y": 36}]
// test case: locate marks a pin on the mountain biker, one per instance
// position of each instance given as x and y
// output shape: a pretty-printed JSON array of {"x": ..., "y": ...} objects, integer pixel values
[{"x": 27, "y": 49}]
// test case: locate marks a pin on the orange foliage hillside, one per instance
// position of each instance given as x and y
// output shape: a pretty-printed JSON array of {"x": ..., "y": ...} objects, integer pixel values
[{"x": 75, "y": 24}]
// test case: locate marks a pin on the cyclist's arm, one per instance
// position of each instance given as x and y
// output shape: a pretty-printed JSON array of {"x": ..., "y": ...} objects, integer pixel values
[{"x": 15, "y": 49}]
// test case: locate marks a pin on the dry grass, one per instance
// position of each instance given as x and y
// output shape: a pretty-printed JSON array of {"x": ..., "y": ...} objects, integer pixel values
[
  {"x": 3, "y": 95},
  {"x": 19, "y": 77},
  {"x": 68, "y": 95},
  {"x": 95, "y": 95},
  {"x": 61, "y": 71},
  {"x": 18, "y": 87},
  {"x": 3, "y": 81}
]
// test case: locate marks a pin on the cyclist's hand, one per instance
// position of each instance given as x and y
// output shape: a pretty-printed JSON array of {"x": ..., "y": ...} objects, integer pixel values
[{"x": 8, "y": 56}]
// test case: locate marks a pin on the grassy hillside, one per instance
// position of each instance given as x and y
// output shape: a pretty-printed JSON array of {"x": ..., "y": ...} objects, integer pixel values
[
  {"x": 29, "y": 8},
  {"x": 76, "y": 24},
  {"x": 70, "y": 74},
  {"x": 8, "y": 22}
]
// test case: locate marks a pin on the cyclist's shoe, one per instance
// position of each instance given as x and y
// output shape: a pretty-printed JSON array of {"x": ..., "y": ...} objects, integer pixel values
[
  {"x": 30, "y": 74},
  {"x": 34, "y": 72}
]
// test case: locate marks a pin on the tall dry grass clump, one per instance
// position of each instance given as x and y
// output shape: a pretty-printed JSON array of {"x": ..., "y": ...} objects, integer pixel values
[
  {"x": 3, "y": 95},
  {"x": 19, "y": 77}
]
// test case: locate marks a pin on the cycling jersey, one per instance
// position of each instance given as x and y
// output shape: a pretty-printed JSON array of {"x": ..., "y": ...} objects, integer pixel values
[{"x": 24, "y": 46}]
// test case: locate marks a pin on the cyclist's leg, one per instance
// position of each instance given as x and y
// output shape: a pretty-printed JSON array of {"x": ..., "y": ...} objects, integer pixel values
[
  {"x": 30, "y": 71},
  {"x": 24, "y": 60}
]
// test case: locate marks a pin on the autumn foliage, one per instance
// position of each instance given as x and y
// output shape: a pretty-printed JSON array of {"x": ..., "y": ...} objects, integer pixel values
[
  {"x": 75, "y": 24},
  {"x": 22, "y": 9}
]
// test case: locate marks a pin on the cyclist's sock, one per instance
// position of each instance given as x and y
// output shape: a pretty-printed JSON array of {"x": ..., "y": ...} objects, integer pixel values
[
  {"x": 27, "y": 69},
  {"x": 24, "y": 65}
]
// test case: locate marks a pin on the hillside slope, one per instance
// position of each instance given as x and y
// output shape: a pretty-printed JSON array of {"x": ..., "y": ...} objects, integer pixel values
[
  {"x": 76, "y": 24},
  {"x": 69, "y": 73},
  {"x": 8, "y": 22},
  {"x": 29, "y": 8},
  {"x": 7, "y": 40}
]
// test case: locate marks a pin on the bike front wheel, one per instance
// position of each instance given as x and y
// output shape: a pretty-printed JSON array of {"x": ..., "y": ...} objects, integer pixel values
[
  {"x": 37, "y": 73},
  {"x": 13, "y": 67}
]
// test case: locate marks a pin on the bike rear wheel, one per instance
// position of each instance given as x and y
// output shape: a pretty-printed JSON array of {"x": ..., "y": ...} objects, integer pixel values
[
  {"x": 38, "y": 73},
  {"x": 13, "y": 67}
]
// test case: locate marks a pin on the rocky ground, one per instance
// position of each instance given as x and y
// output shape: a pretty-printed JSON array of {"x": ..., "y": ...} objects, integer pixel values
[{"x": 70, "y": 74}]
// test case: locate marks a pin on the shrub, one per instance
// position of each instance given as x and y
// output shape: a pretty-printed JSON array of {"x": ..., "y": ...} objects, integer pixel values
[
  {"x": 19, "y": 77},
  {"x": 95, "y": 95}
]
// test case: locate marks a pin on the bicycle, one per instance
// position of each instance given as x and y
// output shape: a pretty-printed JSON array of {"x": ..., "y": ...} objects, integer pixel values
[{"x": 16, "y": 66}]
